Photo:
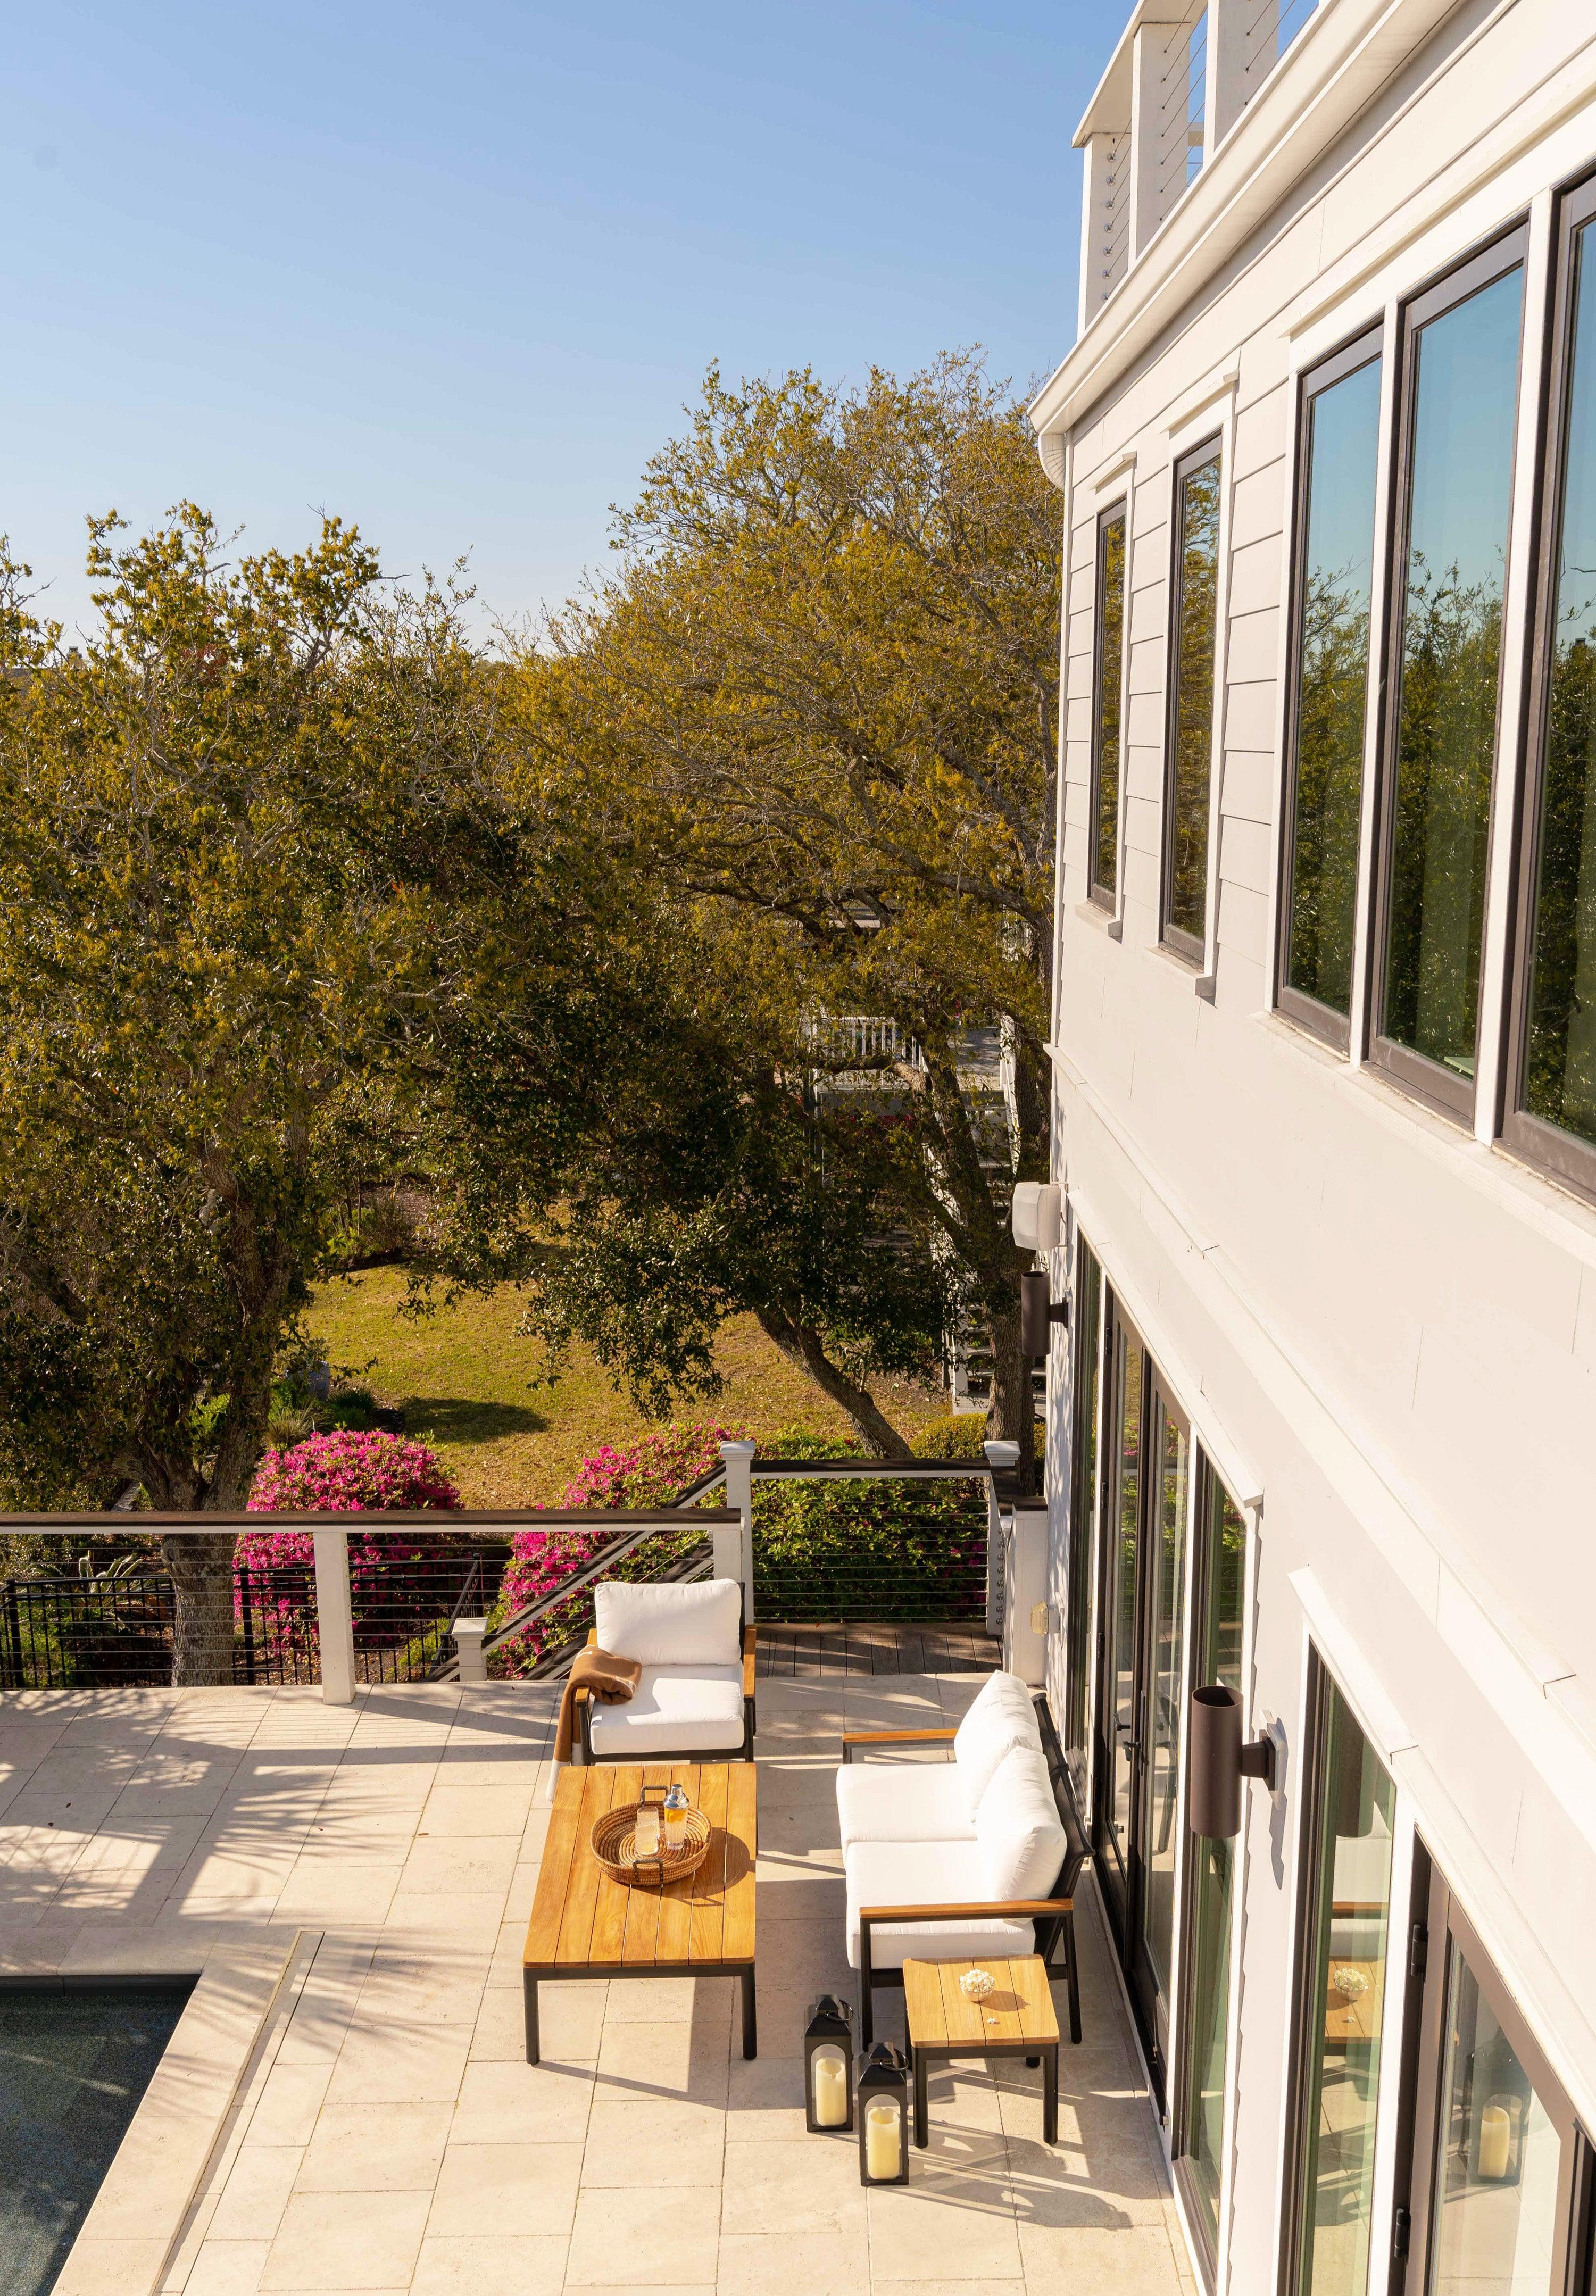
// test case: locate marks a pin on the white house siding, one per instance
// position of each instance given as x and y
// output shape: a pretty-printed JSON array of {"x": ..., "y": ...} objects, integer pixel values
[{"x": 1383, "y": 1327}]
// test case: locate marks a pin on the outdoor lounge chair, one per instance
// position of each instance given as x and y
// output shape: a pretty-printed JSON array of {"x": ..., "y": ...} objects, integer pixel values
[
  {"x": 975, "y": 1857},
  {"x": 695, "y": 1700}
]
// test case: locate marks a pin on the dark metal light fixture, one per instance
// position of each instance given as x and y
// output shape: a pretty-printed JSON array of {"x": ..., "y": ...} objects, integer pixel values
[
  {"x": 828, "y": 2064},
  {"x": 1219, "y": 1763},
  {"x": 1038, "y": 1313}
]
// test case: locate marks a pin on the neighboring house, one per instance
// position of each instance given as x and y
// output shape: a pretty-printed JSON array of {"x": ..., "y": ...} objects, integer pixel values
[{"x": 1324, "y": 1429}]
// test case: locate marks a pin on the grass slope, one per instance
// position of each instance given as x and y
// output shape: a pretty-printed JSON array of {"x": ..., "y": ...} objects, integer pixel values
[{"x": 470, "y": 1386}]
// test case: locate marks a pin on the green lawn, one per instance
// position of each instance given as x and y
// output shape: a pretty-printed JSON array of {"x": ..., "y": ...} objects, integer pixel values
[{"x": 469, "y": 1385}]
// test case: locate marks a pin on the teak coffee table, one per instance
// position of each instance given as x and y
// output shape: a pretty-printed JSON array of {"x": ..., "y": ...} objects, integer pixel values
[
  {"x": 1016, "y": 2020},
  {"x": 583, "y": 1924}
]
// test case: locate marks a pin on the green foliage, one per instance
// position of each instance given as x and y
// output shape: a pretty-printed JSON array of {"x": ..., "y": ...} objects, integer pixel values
[{"x": 875, "y": 1547}]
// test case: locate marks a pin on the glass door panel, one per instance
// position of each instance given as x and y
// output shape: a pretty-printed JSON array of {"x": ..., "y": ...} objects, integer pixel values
[
  {"x": 1078, "y": 1581},
  {"x": 1501, "y": 2172},
  {"x": 1220, "y": 1583},
  {"x": 1161, "y": 1734},
  {"x": 1123, "y": 1544},
  {"x": 1497, "y": 2201},
  {"x": 1349, "y": 1922}
]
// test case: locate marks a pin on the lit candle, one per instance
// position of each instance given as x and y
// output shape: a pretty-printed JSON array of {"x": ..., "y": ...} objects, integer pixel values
[
  {"x": 1495, "y": 2142},
  {"x": 883, "y": 2142},
  {"x": 830, "y": 2088}
]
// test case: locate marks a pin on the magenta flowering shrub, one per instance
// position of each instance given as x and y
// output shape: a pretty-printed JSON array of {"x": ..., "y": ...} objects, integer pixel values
[
  {"x": 647, "y": 1473},
  {"x": 347, "y": 1472}
]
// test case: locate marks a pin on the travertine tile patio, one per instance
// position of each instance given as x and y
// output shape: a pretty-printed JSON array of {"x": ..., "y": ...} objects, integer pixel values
[{"x": 390, "y": 2135}]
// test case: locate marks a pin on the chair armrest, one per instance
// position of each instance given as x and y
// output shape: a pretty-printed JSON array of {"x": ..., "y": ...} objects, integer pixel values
[
  {"x": 895, "y": 1738},
  {"x": 1008, "y": 1909},
  {"x": 750, "y": 1636}
]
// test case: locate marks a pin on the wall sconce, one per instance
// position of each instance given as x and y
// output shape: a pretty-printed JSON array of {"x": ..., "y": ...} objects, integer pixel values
[
  {"x": 1038, "y": 1313},
  {"x": 828, "y": 2064},
  {"x": 1219, "y": 1763}
]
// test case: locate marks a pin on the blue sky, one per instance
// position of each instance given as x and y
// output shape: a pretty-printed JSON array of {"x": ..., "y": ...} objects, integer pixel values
[{"x": 453, "y": 271}]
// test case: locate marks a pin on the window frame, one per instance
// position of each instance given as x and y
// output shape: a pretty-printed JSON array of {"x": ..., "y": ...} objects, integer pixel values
[
  {"x": 1532, "y": 1139},
  {"x": 1363, "y": 350},
  {"x": 1107, "y": 897},
  {"x": 1191, "y": 947},
  {"x": 1506, "y": 249},
  {"x": 1437, "y": 1921}
]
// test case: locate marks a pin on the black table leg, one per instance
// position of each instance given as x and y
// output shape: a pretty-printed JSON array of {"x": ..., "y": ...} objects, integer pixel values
[
  {"x": 530, "y": 1988},
  {"x": 750, "y": 2026},
  {"x": 923, "y": 2102},
  {"x": 1049, "y": 2096}
]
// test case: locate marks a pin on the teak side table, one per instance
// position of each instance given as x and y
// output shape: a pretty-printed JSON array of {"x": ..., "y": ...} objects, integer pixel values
[
  {"x": 1016, "y": 2020},
  {"x": 583, "y": 1924}
]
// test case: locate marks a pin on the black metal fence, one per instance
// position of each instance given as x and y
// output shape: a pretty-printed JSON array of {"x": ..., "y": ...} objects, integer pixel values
[{"x": 115, "y": 1630}]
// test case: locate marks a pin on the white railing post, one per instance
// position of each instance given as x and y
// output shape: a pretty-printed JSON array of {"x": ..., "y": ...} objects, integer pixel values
[
  {"x": 999, "y": 1455},
  {"x": 468, "y": 1645},
  {"x": 335, "y": 1616},
  {"x": 740, "y": 1494}
]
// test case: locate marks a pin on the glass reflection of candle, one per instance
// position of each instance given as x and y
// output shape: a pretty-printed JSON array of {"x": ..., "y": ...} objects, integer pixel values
[
  {"x": 1495, "y": 2142},
  {"x": 829, "y": 2073},
  {"x": 883, "y": 2142}
]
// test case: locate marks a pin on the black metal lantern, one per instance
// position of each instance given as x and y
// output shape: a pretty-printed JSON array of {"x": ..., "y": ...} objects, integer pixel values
[
  {"x": 883, "y": 2085},
  {"x": 828, "y": 2064}
]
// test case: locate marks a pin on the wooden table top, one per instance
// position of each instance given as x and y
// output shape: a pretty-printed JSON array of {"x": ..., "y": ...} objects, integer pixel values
[
  {"x": 1354, "y": 2016},
  {"x": 1019, "y": 2010},
  {"x": 583, "y": 1920}
]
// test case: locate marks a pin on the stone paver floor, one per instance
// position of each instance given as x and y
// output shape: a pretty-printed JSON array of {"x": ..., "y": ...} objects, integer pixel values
[{"x": 389, "y": 2134}]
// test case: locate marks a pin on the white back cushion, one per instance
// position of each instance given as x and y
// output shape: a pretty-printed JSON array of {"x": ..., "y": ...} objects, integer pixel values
[
  {"x": 697, "y": 1625},
  {"x": 1000, "y": 1718},
  {"x": 1018, "y": 1829}
]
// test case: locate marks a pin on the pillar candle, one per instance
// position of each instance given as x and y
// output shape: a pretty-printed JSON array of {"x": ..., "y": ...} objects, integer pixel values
[
  {"x": 830, "y": 2088},
  {"x": 883, "y": 2142},
  {"x": 1495, "y": 2142}
]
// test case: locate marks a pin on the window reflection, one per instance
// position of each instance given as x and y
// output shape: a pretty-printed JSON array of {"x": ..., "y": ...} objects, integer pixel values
[
  {"x": 1078, "y": 1618},
  {"x": 1172, "y": 1449},
  {"x": 1496, "y": 2199},
  {"x": 1198, "y": 524},
  {"x": 1347, "y": 2006},
  {"x": 1560, "y": 1068},
  {"x": 1110, "y": 658},
  {"x": 1332, "y": 684},
  {"x": 1460, "y": 485},
  {"x": 1123, "y": 1597}
]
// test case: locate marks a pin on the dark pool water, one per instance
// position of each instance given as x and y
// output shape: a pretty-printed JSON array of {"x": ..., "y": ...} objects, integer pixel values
[{"x": 73, "y": 2066}]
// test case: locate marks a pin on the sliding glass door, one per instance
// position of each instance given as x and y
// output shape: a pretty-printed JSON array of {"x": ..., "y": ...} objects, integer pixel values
[
  {"x": 1141, "y": 1678},
  {"x": 1341, "y": 2005},
  {"x": 1079, "y": 1581},
  {"x": 1220, "y": 1581},
  {"x": 1496, "y": 2198}
]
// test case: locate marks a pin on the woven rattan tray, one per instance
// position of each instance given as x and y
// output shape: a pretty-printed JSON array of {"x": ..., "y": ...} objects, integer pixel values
[{"x": 614, "y": 1845}]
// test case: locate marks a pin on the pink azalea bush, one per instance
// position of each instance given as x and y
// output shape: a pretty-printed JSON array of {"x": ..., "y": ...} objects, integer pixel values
[
  {"x": 344, "y": 1473},
  {"x": 648, "y": 1473},
  {"x": 347, "y": 1473}
]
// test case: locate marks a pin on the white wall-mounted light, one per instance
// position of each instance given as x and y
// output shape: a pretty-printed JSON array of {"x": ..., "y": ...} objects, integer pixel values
[{"x": 1037, "y": 1215}]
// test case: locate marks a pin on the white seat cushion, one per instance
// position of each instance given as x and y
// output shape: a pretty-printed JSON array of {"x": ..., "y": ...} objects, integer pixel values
[
  {"x": 924, "y": 1873},
  {"x": 677, "y": 1710},
  {"x": 670, "y": 1624},
  {"x": 1000, "y": 1718},
  {"x": 902, "y": 1801},
  {"x": 1022, "y": 1839}
]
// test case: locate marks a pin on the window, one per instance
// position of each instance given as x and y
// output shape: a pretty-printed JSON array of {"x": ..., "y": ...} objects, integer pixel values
[
  {"x": 1460, "y": 402},
  {"x": 1194, "y": 624},
  {"x": 1104, "y": 873},
  {"x": 1220, "y": 1582},
  {"x": 1337, "y": 460},
  {"x": 1494, "y": 2194},
  {"x": 1551, "y": 1112},
  {"x": 1087, "y": 1320},
  {"x": 1347, "y": 1910}
]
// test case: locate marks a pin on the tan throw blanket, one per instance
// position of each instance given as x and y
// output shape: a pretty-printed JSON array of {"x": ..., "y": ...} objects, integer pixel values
[{"x": 613, "y": 1679}]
